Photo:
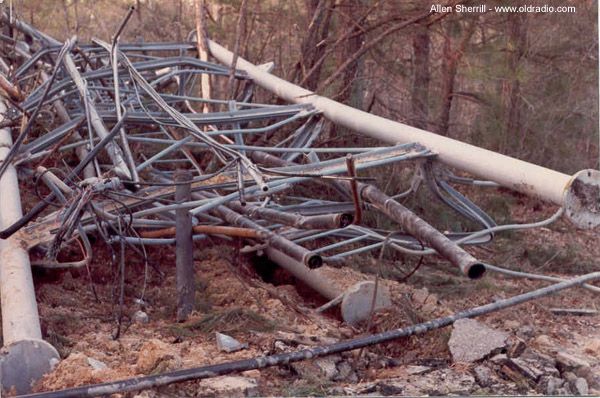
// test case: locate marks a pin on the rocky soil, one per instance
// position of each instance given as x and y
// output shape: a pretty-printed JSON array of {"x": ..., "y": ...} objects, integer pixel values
[{"x": 524, "y": 350}]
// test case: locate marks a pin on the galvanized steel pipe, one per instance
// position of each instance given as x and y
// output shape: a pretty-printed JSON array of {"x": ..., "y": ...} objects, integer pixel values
[
  {"x": 512, "y": 173},
  {"x": 25, "y": 356}
]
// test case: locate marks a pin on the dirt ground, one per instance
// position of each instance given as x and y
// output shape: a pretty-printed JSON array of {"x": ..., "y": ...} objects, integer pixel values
[{"x": 264, "y": 307}]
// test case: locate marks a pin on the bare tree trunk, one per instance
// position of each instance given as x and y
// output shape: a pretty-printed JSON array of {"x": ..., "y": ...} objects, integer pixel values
[
  {"x": 367, "y": 46},
  {"x": 421, "y": 77},
  {"x": 202, "y": 37},
  {"x": 239, "y": 32},
  {"x": 313, "y": 46},
  {"x": 180, "y": 21},
  {"x": 67, "y": 22},
  {"x": 452, "y": 57},
  {"x": 351, "y": 92},
  {"x": 518, "y": 44},
  {"x": 76, "y": 9}
]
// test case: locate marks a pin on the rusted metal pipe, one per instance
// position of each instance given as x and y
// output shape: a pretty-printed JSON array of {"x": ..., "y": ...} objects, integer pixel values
[
  {"x": 297, "y": 252},
  {"x": 411, "y": 223},
  {"x": 322, "y": 221},
  {"x": 519, "y": 175},
  {"x": 206, "y": 229}
]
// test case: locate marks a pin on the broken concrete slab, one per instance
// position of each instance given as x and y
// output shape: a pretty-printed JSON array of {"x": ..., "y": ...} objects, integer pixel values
[
  {"x": 227, "y": 343},
  {"x": 357, "y": 303},
  {"x": 568, "y": 362},
  {"x": 228, "y": 386},
  {"x": 471, "y": 340}
]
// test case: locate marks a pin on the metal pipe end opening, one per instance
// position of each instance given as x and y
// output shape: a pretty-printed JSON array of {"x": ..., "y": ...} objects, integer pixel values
[
  {"x": 314, "y": 261},
  {"x": 476, "y": 270},
  {"x": 345, "y": 219}
]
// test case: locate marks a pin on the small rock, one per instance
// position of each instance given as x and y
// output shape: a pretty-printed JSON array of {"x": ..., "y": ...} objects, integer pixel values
[
  {"x": 543, "y": 341},
  {"x": 471, "y": 340},
  {"x": 228, "y": 386},
  {"x": 345, "y": 373},
  {"x": 417, "y": 370},
  {"x": 525, "y": 332},
  {"x": 337, "y": 391},
  {"x": 563, "y": 391},
  {"x": 499, "y": 359},
  {"x": 155, "y": 356},
  {"x": 523, "y": 383},
  {"x": 570, "y": 376},
  {"x": 356, "y": 304},
  {"x": 96, "y": 364},
  {"x": 516, "y": 349},
  {"x": 536, "y": 356},
  {"x": 140, "y": 317},
  {"x": 525, "y": 368},
  {"x": 511, "y": 325},
  {"x": 483, "y": 375},
  {"x": 593, "y": 347},
  {"x": 68, "y": 282},
  {"x": 227, "y": 343},
  {"x": 320, "y": 368},
  {"x": 327, "y": 366},
  {"x": 567, "y": 362},
  {"x": 550, "y": 384},
  {"x": 581, "y": 386},
  {"x": 146, "y": 394},
  {"x": 390, "y": 387},
  {"x": 253, "y": 373}
]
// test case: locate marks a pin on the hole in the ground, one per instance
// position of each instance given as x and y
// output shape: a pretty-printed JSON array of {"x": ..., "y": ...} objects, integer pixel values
[{"x": 271, "y": 273}]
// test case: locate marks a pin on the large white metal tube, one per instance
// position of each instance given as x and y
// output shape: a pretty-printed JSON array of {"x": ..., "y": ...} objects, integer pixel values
[
  {"x": 25, "y": 356},
  {"x": 521, "y": 176}
]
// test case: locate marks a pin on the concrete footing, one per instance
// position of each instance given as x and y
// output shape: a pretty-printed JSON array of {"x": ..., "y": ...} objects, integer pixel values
[{"x": 24, "y": 362}]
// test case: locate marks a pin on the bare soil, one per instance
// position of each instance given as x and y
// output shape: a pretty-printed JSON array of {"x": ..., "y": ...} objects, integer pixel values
[{"x": 233, "y": 297}]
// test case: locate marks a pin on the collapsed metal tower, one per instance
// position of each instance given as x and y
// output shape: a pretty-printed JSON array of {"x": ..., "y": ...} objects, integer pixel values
[{"x": 140, "y": 166}]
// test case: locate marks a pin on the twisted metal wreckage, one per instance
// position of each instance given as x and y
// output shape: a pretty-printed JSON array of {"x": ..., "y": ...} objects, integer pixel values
[{"x": 122, "y": 119}]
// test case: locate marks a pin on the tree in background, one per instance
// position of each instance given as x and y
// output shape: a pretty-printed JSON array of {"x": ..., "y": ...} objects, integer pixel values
[{"x": 521, "y": 84}]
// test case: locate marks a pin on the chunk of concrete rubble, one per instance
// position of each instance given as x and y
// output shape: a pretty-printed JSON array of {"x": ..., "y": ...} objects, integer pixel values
[
  {"x": 345, "y": 373},
  {"x": 444, "y": 381},
  {"x": 318, "y": 369},
  {"x": 358, "y": 299},
  {"x": 228, "y": 386},
  {"x": 227, "y": 343},
  {"x": 566, "y": 361},
  {"x": 417, "y": 370},
  {"x": 516, "y": 348},
  {"x": 580, "y": 386},
  {"x": 156, "y": 356},
  {"x": 471, "y": 340},
  {"x": 550, "y": 384},
  {"x": 592, "y": 347},
  {"x": 543, "y": 341},
  {"x": 140, "y": 317},
  {"x": 484, "y": 376},
  {"x": 96, "y": 364},
  {"x": 526, "y": 368}
]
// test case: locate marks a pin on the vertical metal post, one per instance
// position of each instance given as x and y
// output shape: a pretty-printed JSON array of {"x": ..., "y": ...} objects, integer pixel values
[
  {"x": 25, "y": 357},
  {"x": 184, "y": 248}
]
